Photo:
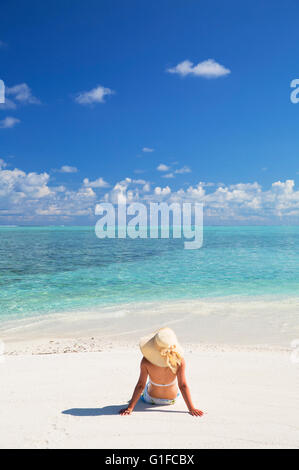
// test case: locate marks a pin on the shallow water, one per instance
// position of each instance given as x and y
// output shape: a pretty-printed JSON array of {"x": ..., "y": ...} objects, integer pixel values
[{"x": 46, "y": 270}]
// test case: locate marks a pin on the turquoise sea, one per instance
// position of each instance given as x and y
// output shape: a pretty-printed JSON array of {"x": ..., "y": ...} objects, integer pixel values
[{"x": 63, "y": 269}]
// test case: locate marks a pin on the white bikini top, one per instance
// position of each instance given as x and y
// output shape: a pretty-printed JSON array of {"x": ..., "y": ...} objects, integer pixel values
[{"x": 162, "y": 385}]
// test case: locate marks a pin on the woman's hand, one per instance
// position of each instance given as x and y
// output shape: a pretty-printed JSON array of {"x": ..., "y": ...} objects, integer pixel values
[
  {"x": 125, "y": 411},
  {"x": 195, "y": 412}
]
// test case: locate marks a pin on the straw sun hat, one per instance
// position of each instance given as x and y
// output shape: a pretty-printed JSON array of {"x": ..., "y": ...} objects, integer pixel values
[{"x": 162, "y": 349}]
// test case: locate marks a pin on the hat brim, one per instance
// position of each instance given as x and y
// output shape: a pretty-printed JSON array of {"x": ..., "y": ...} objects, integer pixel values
[{"x": 150, "y": 351}]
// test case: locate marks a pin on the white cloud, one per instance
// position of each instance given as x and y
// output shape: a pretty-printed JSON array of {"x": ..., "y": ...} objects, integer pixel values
[
  {"x": 19, "y": 94},
  {"x": 237, "y": 202},
  {"x": 242, "y": 201},
  {"x": 208, "y": 69},
  {"x": 168, "y": 175},
  {"x": 163, "y": 167},
  {"x": 183, "y": 170},
  {"x": 86, "y": 192},
  {"x": 8, "y": 122},
  {"x": 17, "y": 186},
  {"x": 284, "y": 187},
  {"x": 96, "y": 95},
  {"x": 29, "y": 196},
  {"x": 139, "y": 181},
  {"x": 209, "y": 184},
  {"x": 147, "y": 150},
  {"x": 179, "y": 171},
  {"x": 121, "y": 191},
  {"x": 22, "y": 94},
  {"x": 162, "y": 191},
  {"x": 98, "y": 183},
  {"x": 68, "y": 169}
]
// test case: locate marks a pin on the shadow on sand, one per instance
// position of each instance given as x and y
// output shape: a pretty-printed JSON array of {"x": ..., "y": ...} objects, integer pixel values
[{"x": 114, "y": 410}]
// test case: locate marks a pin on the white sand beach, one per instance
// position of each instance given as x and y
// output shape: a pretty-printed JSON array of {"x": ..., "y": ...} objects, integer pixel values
[{"x": 71, "y": 400}]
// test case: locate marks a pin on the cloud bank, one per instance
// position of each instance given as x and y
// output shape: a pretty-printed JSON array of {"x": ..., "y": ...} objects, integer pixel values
[{"x": 34, "y": 198}]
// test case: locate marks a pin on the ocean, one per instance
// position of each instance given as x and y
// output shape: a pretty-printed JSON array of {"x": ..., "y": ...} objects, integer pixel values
[{"x": 53, "y": 270}]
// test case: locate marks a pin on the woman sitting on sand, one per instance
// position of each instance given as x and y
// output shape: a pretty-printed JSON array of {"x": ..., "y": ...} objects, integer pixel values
[{"x": 163, "y": 362}]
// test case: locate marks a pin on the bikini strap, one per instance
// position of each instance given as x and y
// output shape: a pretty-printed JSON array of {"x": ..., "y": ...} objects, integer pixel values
[{"x": 162, "y": 385}]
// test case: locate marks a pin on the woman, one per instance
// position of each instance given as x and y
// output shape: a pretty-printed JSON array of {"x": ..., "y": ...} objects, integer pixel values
[{"x": 163, "y": 362}]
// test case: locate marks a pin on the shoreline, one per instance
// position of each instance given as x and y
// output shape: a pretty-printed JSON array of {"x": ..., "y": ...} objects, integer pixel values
[
  {"x": 94, "y": 345},
  {"x": 229, "y": 323}
]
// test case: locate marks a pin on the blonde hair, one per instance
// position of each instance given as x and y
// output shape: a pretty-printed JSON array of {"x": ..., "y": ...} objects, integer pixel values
[{"x": 173, "y": 358}]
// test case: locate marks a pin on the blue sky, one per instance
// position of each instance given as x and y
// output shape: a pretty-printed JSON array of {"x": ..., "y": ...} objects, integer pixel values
[{"x": 89, "y": 85}]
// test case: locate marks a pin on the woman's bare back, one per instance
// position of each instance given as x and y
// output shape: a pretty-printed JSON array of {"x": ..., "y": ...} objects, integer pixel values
[{"x": 162, "y": 376}]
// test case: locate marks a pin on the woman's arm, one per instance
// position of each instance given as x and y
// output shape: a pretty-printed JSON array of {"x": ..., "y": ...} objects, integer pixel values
[
  {"x": 138, "y": 389},
  {"x": 183, "y": 386}
]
